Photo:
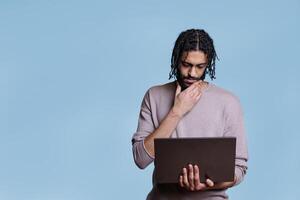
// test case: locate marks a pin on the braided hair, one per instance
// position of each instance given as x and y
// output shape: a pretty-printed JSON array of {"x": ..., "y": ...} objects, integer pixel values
[{"x": 193, "y": 40}]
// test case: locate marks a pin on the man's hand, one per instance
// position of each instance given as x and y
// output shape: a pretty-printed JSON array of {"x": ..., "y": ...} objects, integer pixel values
[
  {"x": 190, "y": 180},
  {"x": 185, "y": 101}
]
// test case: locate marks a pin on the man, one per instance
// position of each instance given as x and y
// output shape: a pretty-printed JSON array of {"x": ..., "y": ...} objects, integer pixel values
[{"x": 190, "y": 107}]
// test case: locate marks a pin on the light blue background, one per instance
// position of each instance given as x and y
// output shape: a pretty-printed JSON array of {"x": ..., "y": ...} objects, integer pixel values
[{"x": 73, "y": 74}]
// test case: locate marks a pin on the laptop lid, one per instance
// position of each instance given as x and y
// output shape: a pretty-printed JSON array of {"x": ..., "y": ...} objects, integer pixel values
[{"x": 214, "y": 156}]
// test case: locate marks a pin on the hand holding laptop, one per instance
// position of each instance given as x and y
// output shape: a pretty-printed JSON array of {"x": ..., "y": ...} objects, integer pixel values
[{"x": 190, "y": 179}]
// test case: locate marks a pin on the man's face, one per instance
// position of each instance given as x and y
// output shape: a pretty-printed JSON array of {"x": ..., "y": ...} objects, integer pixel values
[{"x": 191, "y": 68}]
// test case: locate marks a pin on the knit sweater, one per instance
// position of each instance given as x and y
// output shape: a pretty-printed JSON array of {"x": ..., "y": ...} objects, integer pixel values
[{"x": 218, "y": 113}]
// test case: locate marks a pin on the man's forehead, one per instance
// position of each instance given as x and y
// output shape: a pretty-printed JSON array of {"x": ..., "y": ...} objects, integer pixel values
[{"x": 194, "y": 57}]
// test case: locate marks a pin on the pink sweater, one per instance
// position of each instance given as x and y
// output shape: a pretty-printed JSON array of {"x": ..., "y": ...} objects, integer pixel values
[{"x": 218, "y": 113}]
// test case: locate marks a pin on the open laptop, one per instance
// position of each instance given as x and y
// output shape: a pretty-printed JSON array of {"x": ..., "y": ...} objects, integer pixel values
[{"x": 214, "y": 156}]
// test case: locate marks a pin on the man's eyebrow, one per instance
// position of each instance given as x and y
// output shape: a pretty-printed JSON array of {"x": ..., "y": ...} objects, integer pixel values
[{"x": 192, "y": 64}]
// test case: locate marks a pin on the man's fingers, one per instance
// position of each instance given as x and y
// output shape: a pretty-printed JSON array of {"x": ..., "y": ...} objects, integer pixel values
[
  {"x": 198, "y": 184},
  {"x": 209, "y": 182},
  {"x": 194, "y": 85},
  {"x": 185, "y": 178},
  {"x": 196, "y": 178},
  {"x": 197, "y": 93},
  {"x": 191, "y": 177},
  {"x": 194, "y": 92},
  {"x": 181, "y": 181},
  {"x": 198, "y": 96}
]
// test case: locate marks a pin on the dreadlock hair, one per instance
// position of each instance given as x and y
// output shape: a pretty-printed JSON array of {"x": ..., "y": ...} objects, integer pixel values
[{"x": 193, "y": 40}]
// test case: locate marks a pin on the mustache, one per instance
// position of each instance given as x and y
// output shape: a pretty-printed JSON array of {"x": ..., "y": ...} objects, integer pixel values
[{"x": 191, "y": 78}]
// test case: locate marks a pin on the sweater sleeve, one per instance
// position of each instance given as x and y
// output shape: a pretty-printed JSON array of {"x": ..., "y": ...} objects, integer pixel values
[
  {"x": 145, "y": 127},
  {"x": 234, "y": 126}
]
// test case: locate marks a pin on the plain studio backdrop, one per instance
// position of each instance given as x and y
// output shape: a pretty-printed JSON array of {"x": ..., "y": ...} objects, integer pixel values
[{"x": 73, "y": 75}]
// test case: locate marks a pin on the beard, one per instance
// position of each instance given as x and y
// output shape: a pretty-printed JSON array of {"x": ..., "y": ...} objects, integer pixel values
[{"x": 181, "y": 80}]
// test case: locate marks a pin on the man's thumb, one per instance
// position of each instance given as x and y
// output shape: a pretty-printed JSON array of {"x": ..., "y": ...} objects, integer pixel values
[{"x": 178, "y": 89}]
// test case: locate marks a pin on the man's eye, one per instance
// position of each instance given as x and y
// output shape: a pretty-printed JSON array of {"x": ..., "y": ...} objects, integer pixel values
[
  {"x": 185, "y": 64},
  {"x": 200, "y": 66}
]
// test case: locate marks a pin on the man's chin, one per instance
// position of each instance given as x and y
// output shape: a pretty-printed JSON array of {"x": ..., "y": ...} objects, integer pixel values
[
  {"x": 183, "y": 85},
  {"x": 186, "y": 85}
]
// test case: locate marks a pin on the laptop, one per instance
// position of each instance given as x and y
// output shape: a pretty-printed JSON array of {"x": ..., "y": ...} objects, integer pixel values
[{"x": 215, "y": 157}]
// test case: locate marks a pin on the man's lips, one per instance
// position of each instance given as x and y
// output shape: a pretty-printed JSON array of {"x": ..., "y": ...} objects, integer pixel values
[{"x": 189, "y": 81}]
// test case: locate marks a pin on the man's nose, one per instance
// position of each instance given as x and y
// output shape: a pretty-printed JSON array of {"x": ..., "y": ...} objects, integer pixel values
[{"x": 192, "y": 72}]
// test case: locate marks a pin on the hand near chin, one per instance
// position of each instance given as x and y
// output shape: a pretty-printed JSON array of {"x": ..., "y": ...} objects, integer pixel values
[{"x": 185, "y": 100}]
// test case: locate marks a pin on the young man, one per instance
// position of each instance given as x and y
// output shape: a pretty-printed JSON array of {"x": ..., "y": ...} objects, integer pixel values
[{"x": 190, "y": 107}]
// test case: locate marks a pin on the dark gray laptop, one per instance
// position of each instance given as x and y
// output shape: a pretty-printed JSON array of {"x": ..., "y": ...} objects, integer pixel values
[{"x": 214, "y": 156}]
